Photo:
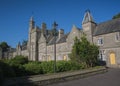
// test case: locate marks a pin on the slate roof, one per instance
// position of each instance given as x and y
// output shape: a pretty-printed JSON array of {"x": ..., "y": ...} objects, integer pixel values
[
  {"x": 24, "y": 47},
  {"x": 58, "y": 40},
  {"x": 62, "y": 39},
  {"x": 49, "y": 35},
  {"x": 52, "y": 41},
  {"x": 107, "y": 27},
  {"x": 11, "y": 50}
]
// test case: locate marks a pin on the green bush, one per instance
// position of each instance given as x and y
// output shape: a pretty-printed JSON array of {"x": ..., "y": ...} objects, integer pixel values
[
  {"x": 75, "y": 66},
  {"x": 84, "y": 52},
  {"x": 18, "y": 69},
  {"x": 19, "y": 60},
  {"x": 1, "y": 76},
  {"x": 47, "y": 67},
  {"x": 68, "y": 66},
  {"x": 17, "y": 65},
  {"x": 6, "y": 70},
  {"x": 63, "y": 66},
  {"x": 33, "y": 68}
]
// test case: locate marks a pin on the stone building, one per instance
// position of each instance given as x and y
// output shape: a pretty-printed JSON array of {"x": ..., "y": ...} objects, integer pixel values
[
  {"x": 8, "y": 54},
  {"x": 40, "y": 45}
]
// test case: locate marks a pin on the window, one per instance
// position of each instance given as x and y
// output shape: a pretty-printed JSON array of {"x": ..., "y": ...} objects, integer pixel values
[
  {"x": 100, "y": 41},
  {"x": 102, "y": 56},
  {"x": 117, "y": 36}
]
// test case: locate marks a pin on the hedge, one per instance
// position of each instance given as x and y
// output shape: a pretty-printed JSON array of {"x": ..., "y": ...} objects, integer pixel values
[
  {"x": 19, "y": 60},
  {"x": 19, "y": 66},
  {"x": 33, "y": 68},
  {"x": 5, "y": 72}
]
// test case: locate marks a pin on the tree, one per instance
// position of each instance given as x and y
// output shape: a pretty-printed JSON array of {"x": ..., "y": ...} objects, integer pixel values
[
  {"x": 94, "y": 51},
  {"x": 4, "y": 46},
  {"x": 83, "y": 52},
  {"x": 75, "y": 51},
  {"x": 116, "y": 16}
]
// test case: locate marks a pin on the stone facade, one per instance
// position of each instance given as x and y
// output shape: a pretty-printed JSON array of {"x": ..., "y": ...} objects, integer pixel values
[
  {"x": 109, "y": 45},
  {"x": 40, "y": 45}
]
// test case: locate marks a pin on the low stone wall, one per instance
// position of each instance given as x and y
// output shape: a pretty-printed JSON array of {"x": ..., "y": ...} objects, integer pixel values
[{"x": 43, "y": 80}]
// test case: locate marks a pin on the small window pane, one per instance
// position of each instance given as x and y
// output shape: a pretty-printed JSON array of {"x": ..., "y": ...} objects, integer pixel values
[
  {"x": 100, "y": 41},
  {"x": 117, "y": 36}
]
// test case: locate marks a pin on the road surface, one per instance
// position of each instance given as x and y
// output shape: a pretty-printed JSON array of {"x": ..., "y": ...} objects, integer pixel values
[{"x": 110, "y": 78}]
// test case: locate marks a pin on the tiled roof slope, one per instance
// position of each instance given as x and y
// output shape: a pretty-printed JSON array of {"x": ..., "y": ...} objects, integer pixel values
[
  {"x": 58, "y": 40},
  {"x": 62, "y": 39},
  {"x": 107, "y": 27}
]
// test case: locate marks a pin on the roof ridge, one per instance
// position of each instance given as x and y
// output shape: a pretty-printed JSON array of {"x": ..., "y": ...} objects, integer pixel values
[
  {"x": 107, "y": 27},
  {"x": 108, "y": 21}
]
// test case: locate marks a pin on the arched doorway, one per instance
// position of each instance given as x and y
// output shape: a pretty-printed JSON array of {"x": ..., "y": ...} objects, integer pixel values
[{"x": 112, "y": 58}]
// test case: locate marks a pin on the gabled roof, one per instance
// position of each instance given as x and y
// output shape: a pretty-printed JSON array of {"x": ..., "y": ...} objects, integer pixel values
[
  {"x": 107, "y": 27},
  {"x": 74, "y": 28}
]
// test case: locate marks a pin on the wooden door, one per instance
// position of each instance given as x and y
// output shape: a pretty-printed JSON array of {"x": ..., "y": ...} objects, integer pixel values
[{"x": 112, "y": 59}]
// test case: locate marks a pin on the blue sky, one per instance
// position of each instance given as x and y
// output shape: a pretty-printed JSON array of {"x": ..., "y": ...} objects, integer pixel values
[{"x": 15, "y": 15}]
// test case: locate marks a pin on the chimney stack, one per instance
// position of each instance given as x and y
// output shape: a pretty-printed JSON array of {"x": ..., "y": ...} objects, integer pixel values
[{"x": 61, "y": 33}]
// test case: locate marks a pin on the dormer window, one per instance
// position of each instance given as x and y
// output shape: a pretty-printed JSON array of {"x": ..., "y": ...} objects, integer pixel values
[
  {"x": 117, "y": 36},
  {"x": 100, "y": 41}
]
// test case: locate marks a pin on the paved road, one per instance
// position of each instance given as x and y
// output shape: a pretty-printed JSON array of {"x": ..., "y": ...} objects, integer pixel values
[{"x": 111, "y": 78}]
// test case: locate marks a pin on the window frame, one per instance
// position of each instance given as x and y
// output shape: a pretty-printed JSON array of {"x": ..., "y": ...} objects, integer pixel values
[
  {"x": 117, "y": 36},
  {"x": 100, "y": 41}
]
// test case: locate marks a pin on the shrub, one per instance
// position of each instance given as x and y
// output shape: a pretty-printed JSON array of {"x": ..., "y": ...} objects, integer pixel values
[
  {"x": 75, "y": 66},
  {"x": 19, "y": 69},
  {"x": 33, "y": 68},
  {"x": 6, "y": 70},
  {"x": 13, "y": 67},
  {"x": 68, "y": 66},
  {"x": 48, "y": 67},
  {"x": 20, "y": 60},
  {"x": 84, "y": 52},
  {"x": 1, "y": 76},
  {"x": 63, "y": 66},
  {"x": 17, "y": 65}
]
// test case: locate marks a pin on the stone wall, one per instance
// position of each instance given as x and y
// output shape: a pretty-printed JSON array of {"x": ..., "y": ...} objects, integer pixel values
[
  {"x": 110, "y": 45},
  {"x": 109, "y": 40},
  {"x": 24, "y": 53}
]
